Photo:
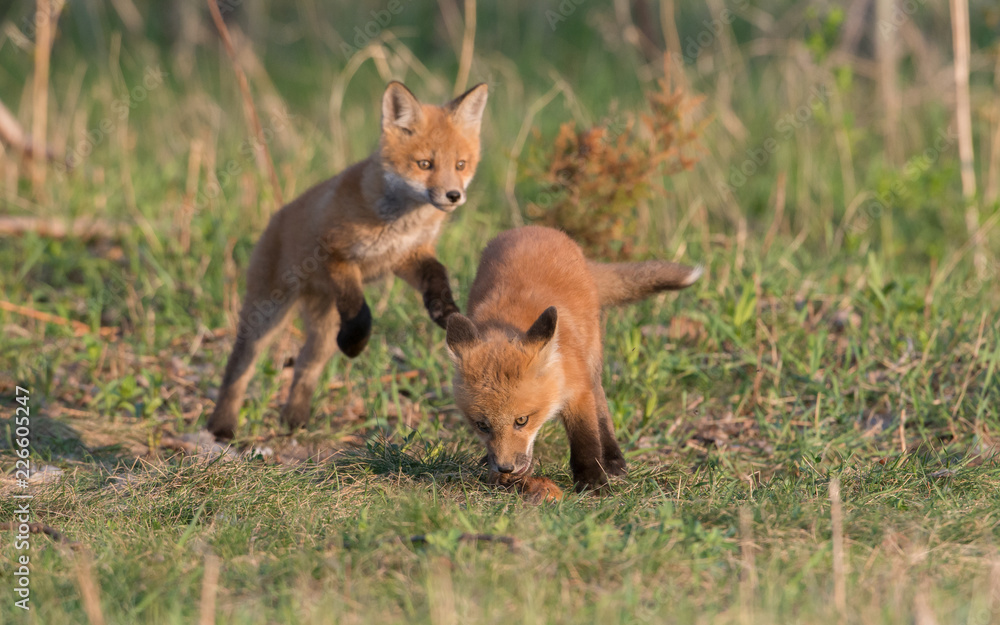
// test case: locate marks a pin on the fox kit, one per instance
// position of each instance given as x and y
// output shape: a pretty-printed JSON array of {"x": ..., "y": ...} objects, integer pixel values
[
  {"x": 531, "y": 348},
  {"x": 380, "y": 215}
]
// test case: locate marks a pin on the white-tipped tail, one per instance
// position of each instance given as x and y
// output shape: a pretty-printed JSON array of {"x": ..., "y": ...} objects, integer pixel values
[{"x": 695, "y": 275}]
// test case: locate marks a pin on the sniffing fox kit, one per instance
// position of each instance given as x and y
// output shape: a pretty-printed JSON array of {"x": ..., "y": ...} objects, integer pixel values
[
  {"x": 380, "y": 215},
  {"x": 531, "y": 347}
]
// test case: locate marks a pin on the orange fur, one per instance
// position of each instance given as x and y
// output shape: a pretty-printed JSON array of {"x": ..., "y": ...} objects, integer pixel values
[
  {"x": 381, "y": 215},
  {"x": 532, "y": 488},
  {"x": 531, "y": 348}
]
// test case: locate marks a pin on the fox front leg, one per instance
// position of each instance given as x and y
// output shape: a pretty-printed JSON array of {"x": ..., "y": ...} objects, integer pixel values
[
  {"x": 355, "y": 316},
  {"x": 354, "y": 332},
  {"x": 437, "y": 293},
  {"x": 426, "y": 274},
  {"x": 586, "y": 453}
]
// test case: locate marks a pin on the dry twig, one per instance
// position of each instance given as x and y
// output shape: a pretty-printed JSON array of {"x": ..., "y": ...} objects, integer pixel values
[
  {"x": 47, "y": 14},
  {"x": 79, "y": 328},
  {"x": 40, "y": 528},
  {"x": 963, "y": 119},
  {"x": 12, "y": 133},
  {"x": 241, "y": 78},
  {"x": 55, "y": 228},
  {"x": 512, "y": 543},
  {"x": 468, "y": 47},
  {"x": 90, "y": 591}
]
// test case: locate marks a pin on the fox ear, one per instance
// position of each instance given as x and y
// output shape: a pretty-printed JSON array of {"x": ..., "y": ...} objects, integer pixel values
[
  {"x": 400, "y": 108},
  {"x": 467, "y": 109},
  {"x": 461, "y": 332},
  {"x": 544, "y": 328}
]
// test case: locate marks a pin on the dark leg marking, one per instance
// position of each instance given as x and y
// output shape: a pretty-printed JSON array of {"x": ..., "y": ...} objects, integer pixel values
[
  {"x": 354, "y": 333},
  {"x": 437, "y": 292},
  {"x": 613, "y": 459}
]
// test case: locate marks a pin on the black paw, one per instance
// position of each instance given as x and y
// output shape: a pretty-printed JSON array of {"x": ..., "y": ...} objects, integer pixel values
[
  {"x": 353, "y": 334},
  {"x": 591, "y": 478},
  {"x": 591, "y": 483},
  {"x": 295, "y": 417},
  {"x": 614, "y": 462},
  {"x": 222, "y": 433},
  {"x": 222, "y": 424},
  {"x": 440, "y": 310}
]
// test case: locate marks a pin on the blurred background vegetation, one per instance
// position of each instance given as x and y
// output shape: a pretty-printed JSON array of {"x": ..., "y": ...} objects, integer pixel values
[{"x": 870, "y": 81}]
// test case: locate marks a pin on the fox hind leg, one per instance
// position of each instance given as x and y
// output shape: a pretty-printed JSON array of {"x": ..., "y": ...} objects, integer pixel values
[
  {"x": 255, "y": 329},
  {"x": 321, "y": 320},
  {"x": 613, "y": 460},
  {"x": 336, "y": 314}
]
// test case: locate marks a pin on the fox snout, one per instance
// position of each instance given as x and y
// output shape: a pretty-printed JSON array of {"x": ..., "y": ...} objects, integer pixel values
[
  {"x": 446, "y": 199},
  {"x": 517, "y": 463}
]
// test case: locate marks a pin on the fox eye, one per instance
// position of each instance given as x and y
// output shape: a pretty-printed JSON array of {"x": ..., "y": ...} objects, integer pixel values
[
  {"x": 424, "y": 164},
  {"x": 520, "y": 422},
  {"x": 460, "y": 165},
  {"x": 483, "y": 426}
]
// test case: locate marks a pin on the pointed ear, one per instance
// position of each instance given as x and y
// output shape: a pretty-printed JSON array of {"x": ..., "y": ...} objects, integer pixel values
[
  {"x": 461, "y": 333},
  {"x": 467, "y": 109},
  {"x": 544, "y": 328},
  {"x": 400, "y": 108}
]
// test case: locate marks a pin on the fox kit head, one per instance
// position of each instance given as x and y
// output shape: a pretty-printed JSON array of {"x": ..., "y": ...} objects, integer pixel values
[
  {"x": 507, "y": 385},
  {"x": 430, "y": 153}
]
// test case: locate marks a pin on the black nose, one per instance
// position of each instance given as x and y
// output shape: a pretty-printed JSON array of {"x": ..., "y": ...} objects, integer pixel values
[
  {"x": 505, "y": 469},
  {"x": 453, "y": 196}
]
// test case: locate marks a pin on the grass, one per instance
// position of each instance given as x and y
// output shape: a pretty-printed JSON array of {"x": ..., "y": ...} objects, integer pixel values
[
  {"x": 841, "y": 334},
  {"x": 331, "y": 543}
]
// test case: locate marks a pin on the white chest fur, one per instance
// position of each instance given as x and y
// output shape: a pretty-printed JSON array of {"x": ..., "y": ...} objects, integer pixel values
[{"x": 396, "y": 239}]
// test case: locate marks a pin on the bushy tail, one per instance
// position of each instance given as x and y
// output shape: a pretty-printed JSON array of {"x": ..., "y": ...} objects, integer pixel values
[{"x": 624, "y": 283}]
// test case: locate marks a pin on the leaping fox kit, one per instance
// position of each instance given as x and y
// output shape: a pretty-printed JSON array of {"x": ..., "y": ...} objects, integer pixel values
[
  {"x": 531, "y": 348},
  {"x": 380, "y": 215}
]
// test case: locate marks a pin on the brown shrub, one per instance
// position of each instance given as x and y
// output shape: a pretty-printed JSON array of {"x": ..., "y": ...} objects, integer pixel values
[{"x": 593, "y": 181}]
